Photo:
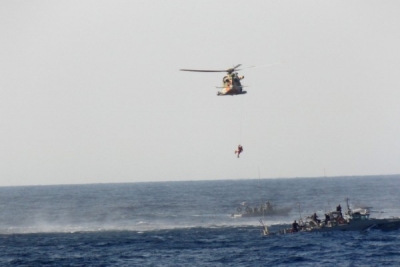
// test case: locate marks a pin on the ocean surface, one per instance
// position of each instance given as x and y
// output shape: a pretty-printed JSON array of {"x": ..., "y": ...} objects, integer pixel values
[{"x": 190, "y": 223}]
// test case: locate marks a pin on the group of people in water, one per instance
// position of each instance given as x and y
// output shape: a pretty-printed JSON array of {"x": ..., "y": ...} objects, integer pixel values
[{"x": 314, "y": 218}]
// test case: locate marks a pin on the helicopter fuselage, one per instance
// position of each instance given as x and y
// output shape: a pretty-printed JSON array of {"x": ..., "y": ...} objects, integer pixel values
[{"x": 232, "y": 85}]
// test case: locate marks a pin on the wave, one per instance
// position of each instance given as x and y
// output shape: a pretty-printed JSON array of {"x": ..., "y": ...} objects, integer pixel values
[{"x": 139, "y": 227}]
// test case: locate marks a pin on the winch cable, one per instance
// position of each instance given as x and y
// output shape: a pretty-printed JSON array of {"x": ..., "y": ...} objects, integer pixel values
[{"x": 241, "y": 120}]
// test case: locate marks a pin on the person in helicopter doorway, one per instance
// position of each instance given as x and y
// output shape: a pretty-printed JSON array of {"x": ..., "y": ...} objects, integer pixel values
[
  {"x": 239, "y": 150},
  {"x": 295, "y": 227},
  {"x": 339, "y": 209},
  {"x": 235, "y": 78},
  {"x": 227, "y": 80}
]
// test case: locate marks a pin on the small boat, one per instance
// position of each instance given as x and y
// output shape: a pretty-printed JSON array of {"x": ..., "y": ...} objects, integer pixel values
[
  {"x": 262, "y": 211},
  {"x": 354, "y": 220}
]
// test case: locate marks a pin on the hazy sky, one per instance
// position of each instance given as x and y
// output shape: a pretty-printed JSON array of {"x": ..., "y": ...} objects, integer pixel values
[{"x": 91, "y": 91}]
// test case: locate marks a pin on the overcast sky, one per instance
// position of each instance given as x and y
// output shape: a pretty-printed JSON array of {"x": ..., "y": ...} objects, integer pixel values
[{"x": 91, "y": 91}]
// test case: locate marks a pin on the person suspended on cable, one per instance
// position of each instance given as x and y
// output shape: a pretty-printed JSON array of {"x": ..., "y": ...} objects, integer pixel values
[{"x": 239, "y": 150}]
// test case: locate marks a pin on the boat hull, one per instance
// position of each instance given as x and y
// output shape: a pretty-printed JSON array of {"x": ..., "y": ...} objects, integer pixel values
[{"x": 363, "y": 225}]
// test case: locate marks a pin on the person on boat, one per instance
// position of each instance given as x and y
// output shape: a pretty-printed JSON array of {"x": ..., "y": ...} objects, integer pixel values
[
  {"x": 295, "y": 227},
  {"x": 314, "y": 217},
  {"x": 327, "y": 218},
  {"x": 239, "y": 150},
  {"x": 339, "y": 209}
]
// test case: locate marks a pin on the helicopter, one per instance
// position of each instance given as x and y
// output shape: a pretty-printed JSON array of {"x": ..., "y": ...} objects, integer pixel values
[
  {"x": 231, "y": 84},
  {"x": 231, "y": 81}
]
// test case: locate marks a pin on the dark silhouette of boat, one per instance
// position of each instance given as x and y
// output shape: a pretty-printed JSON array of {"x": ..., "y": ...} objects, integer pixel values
[{"x": 353, "y": 220}]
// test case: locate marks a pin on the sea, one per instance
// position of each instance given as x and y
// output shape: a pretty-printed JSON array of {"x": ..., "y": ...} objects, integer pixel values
[{"x": 190, "y": 223}]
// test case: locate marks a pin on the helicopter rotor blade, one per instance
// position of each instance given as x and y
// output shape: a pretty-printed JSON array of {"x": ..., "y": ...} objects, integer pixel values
[
  {"x": 203, "y": 70},
  {"x": 237, "y": 66},
  {"x": 266, "y": 65},
  {"x": 230, "y": 70}
]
